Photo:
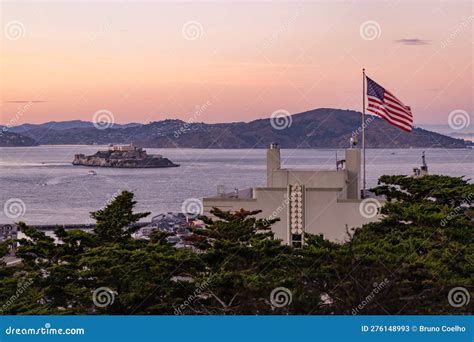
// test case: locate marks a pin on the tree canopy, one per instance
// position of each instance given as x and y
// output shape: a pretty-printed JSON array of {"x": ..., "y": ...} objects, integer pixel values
[{"x": 406, "y": 263}]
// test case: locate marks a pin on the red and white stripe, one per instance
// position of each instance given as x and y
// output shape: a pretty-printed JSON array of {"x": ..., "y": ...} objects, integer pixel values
[{"x": 392, "y": 110}]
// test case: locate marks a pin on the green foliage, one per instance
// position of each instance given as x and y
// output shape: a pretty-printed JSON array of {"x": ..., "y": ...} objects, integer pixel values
[
  {"x": 239, "y": 228},
  {"x": 406, "y": 263},
  {"x": 115, "y": 221},
  {"x": 438, "y": 188},
  {"x": 4, "y": 247},
  {"x": 423, "y": 246}
]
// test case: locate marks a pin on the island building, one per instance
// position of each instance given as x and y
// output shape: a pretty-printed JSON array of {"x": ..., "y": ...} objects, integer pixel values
[
  {"x": 128, "y": 148},
  {"x": 123, "y": 156},
  {"x": 324, "y": 202},
  {"x": 123, "y": 147}
]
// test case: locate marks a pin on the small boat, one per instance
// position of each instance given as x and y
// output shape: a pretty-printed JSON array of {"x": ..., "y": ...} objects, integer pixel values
[{"x": 92, "y": 173}]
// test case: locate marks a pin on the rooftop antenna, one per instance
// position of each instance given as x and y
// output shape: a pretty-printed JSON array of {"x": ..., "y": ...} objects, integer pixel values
[
  {"x": 353, "y": 141},
  {"x": 363, "y": 131}
]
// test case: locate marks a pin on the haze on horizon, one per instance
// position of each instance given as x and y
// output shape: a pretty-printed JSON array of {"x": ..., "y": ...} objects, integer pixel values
[{"x": 150, "y": 61}]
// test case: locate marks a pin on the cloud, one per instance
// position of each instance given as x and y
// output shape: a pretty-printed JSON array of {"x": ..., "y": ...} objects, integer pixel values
[
  {"x": 25, "y": 101},
  {"x": 413, "y": 41}
]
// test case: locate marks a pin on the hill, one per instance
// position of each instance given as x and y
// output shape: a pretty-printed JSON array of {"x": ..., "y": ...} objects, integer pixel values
[
  {"x": 62, "y": 125},
  {"x": 9, "y": 139},
  {"x": 319, "y": 128}
]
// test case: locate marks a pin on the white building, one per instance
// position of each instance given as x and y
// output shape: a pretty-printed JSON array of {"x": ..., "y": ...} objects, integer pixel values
[
  {"x": 123, "y": 147},
  {"x": 315, "y": 201}
]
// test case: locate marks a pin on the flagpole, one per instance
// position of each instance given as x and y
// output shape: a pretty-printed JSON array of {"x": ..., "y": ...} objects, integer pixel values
[{"x": 363, "y": 130}]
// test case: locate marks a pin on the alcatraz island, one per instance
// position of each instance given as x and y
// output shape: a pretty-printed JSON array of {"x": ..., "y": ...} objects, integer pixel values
[{"x": 123, "y": 156}]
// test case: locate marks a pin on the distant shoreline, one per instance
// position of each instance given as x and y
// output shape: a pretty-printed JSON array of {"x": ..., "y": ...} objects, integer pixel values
[{"x": 256, "y": 148}]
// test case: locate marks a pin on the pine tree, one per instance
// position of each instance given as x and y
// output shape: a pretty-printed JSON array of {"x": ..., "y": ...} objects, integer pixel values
[
  {"x": 116, "y": 221},
  {"x": 406, "y": 263}
]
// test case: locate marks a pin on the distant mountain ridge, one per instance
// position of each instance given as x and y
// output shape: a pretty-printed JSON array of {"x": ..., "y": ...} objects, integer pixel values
[
  {"x": 62, "y": 125},
  {"x": 319, "y": 128},
  {"x": 9, "y": 139}
]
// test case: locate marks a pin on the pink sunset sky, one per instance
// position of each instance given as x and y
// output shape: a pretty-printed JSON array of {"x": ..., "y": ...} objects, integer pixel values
[{"x": 149, "y": 61}]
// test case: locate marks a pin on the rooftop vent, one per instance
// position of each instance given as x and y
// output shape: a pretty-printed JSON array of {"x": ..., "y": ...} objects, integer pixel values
[{"x": 273, "y": 145}]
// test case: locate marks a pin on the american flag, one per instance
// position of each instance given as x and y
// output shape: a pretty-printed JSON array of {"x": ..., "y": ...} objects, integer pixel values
[{"x": 383, "y": 103}]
